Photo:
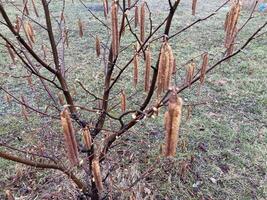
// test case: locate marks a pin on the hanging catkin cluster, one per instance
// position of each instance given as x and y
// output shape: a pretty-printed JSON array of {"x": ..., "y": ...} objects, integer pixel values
[
  {"x": 172, "y": 124},
  {"x": 230, "y": 26},
  {"x": 69, "y": 136},
  {"x": 165, "y": 68},
  {"x": 115, "y": 29}
]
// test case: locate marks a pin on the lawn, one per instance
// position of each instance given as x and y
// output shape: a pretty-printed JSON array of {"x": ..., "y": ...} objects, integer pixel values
[{"x": 222, "y": 148}]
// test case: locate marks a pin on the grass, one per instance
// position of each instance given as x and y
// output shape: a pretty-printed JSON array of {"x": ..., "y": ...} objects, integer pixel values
[{"x": 223, "y": 144}]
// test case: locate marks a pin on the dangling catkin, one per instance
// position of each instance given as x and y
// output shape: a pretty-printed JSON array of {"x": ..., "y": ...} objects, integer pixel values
[
  {"x": 97, "y": 174},
  {"x": 190, "y": 73},
  {"x": 136, "y": 16},
  {"x": 80, "y": 26},
  {"x": 69, "y": 136},
  {"x": 115, "y": 29},
  {"x": 165, "y": 68},
  {"x": 97, "y": 46},
  {"x": 123, "y": 101},
  {"x": 87, "y": 140},
  {"x": 194, "y": 6},
  {"x": 17, "y": 24},
  {"x": 11, "y": 53},
  {"x": 105, "y": 5},
  {"x": 136, "y": 66},
  {"x": 172, "y": 124},
  {"x": 35, "y": 9},
  {"x": 129, "y": 3},
  {"x": 162, "y": 65},
  {"x": 142, "y": 22},
  {"x": 169, "y": 70},
  {"x": 204, "y": 67},
  {"x": 147, "y": 70},
  {"x": 231, "y": 24}
]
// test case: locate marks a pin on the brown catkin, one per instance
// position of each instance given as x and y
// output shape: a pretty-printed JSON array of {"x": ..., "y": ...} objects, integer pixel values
[
  {"x": 97, "y": 46},
  {"x": 231, "y": 25},
  {"x": 194, "y": 6},
  {"x": 31, "y": 32},
  {"x": 97, "y": 174},
  {"x": 80, "y": 26},
  {"x": 87, "y": 139},
  {"x": 165, "y": 68},
  {"x": 142, "y": 22},
  {"x": 162, "y": 65},
  {"x": 34, "y": 8},
  {"x": 136, "y": 16},
  {"x": 115, "y": 29},
  {"x": 123, "y": 101},
  {"x": 172, "y": 124},
  {"x": 66, "y": 36},
  {"x": 174, "y": 67},
  {"x": 204, "y": 66},
  {"x": 170, "y": 66},
  {"x": 69, "y": 136},
  {"x": 105, "y": 5},
  {"x": 135, "y": 71},
  {"x": 148, "y": 62},
  {"x": 11, "y": 53},
  {"x": 61, "y": 99},
  {"x": 17, "y": 24},
  {"x": 190, "y": 73}
]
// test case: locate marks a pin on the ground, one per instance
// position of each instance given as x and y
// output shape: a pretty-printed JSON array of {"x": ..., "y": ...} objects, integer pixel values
[{"x": 222, "y": 150}]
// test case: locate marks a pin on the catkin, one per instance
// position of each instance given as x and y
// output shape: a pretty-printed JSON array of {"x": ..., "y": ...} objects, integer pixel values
[
  {"x": 148, "y": 67},
  {"x": 97, "y": 174},
  {"x": 172, "y": 124},
  {"x": 230, "y": 26},
  {"x": 194, "y": 6},
  {"x": 69, "y": 136},
  {"x": 80, "y": 26},
  {"x": 204, "y": 67},
  {"x": 9, "y": 195},
  {"x": 35, "y": 9},
  {"x": 87, "y": 140},
  {"x": 136, "y": 66},
  {"x": 129, "y": 3},
  {"x": 165, "y": 68},
  {"x": 123, "y": 101},
  {"x": 115, "y": 29},
  {"x": 17, "y": 24},
  {"x": 136, "y": 16},
  {"x": 190, "y": 73},
  {"x": 105, "y": 5},
  {"x": 97, "y": 46},
  {"x": 11, "y": 53},
  {"x": 142, "y": 22}
]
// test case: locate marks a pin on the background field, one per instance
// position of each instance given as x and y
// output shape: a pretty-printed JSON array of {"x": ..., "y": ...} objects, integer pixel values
[{"x": 222, "y": 152}]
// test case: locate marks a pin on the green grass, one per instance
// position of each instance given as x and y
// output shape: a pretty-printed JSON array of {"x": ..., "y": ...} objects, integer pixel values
[{"x": 224, "y": 140}]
